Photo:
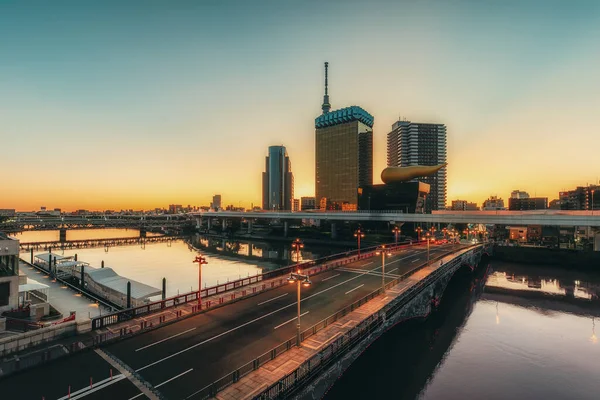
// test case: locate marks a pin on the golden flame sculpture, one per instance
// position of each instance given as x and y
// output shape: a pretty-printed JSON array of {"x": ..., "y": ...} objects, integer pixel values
[{"x": 403, "y": 174}]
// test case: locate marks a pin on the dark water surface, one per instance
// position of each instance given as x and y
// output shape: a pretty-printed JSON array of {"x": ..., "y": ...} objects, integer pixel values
[{"x": 506, "y": 332}]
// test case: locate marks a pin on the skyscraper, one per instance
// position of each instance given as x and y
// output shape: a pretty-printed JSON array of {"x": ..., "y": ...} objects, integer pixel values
[
  {"x": 278, "y": 180},
  {"x": 343, "y": 154},
  {"x": 413, "y": 143}
]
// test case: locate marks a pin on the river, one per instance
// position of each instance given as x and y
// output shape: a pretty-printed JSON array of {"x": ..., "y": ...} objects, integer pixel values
[
  {"x": 507, "y": 331},
  {"x": 227, "y": 259}
]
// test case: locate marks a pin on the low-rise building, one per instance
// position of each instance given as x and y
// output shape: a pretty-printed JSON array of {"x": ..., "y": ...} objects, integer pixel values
[
  {"x": 9, "y": 273},
  {"x": 527, "y": 203},
  {"x": 493, "y": 203},
  {"x": 307, "y": 203},
  {"x": 463, "y": 205}
]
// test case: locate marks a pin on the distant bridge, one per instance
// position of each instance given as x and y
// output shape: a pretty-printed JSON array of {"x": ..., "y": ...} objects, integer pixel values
[
  {"x": 88, "y": 243},
  {"x": 158, "y": 222}
]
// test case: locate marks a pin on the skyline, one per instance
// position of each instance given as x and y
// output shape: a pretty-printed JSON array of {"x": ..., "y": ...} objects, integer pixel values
[{"x": 141, "y": 105}]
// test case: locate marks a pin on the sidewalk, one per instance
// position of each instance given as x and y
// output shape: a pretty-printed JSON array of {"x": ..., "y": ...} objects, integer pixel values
[
  {"x": 63, "y": 298},
  {"x": 257, "y": 381}
]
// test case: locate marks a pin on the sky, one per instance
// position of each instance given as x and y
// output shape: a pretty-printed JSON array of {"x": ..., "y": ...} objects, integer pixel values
[{"x": 142, "y": 104}]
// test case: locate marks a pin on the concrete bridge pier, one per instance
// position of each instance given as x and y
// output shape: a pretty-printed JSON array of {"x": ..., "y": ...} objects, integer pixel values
[
  {"x": 142, "y": 232},
  {"x": 63, "y": 234},
  {"x": 208, "y": 224},
  {"x": 224, "y": 224},
  {"x": 285, "y": 228},
  {"x": 597, "y": 241},
  {"x": 249, "y": 226},
  {"x": 249, "y": 249},
  {"x": 333, "y": 231},
  {"x": 198, "y": 223}
]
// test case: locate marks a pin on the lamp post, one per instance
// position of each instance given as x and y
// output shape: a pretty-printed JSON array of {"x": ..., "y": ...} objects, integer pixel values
[
  {"x": 445, "y": 230},
  {"x": 384, "y": 252},
  {"x": 359, "y": 234},
  {"x": 396, "y": 232},
  {"x": 427, "y": 235},
  {"x": 201, "y": 261},
  {"x": 418, "y": 230},
  {"x": 297, "y": 245},
  {"x": 304, "y": 281}
]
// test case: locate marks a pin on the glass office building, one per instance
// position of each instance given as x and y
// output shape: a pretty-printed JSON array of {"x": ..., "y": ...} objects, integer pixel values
[{"x": 278, "y": 180}]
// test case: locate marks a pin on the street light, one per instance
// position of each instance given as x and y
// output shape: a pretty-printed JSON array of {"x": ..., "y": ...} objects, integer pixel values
[
  {"x": 304, "y": 281},
  {"x": 201, "y": 261},
  {"x": 427, "y": 235},
  {"x": 359, "y": 234},
  {"x": 419, "y": 230},
  {"x": 396, "y": 232},
  {"x": 384, "y": 252},
  {"x": 297, "y": 245}
]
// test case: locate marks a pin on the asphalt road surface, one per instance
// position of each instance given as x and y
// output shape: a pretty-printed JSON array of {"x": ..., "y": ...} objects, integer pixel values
[{"x": 182, "y": 358}]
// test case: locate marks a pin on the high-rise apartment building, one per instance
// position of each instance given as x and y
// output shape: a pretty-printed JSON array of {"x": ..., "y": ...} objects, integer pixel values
[
  {"x": 216, "y": 202},
  {"x": 527, "y": 203},
  {"x": 415, "y": 143},
  {"x": 519, "y": 194},
  {"x": 343, "y": 154},
  {"x": 581, "y": 198},
  {"x": 278, "y": 180}
]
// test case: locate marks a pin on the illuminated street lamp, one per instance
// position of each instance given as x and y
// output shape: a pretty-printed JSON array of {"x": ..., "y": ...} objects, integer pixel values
[
  {"x": 304, "y": 281},
  {"x": 384, "y": 252},
  {"x": 396, "y": 232},
  {"x": 201, "y": 261},
  {"x": 297, "y": 245},
  {"x": 427, "y": 235},
  {"x": 359, "y": 234},
  {"x": 419, "y": 230},
  {"x": 445, "y": 230}
]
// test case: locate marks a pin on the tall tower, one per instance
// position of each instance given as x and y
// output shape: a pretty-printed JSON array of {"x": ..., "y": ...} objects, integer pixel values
[
  {"x": 415, "y": 143},
  {"x": 278, "y": 180},
  {"x": 326, "y": 106},
  {"x": 343, "y": 154}
]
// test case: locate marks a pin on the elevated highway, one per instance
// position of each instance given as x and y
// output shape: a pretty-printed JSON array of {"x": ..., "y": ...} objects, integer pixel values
[{"x": 543, "y": 217}]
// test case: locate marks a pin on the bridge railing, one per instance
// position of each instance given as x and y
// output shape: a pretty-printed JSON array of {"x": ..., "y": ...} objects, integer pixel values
[
  {"x": 351, "y": 337},
  {"x": 325, "y": 263}
]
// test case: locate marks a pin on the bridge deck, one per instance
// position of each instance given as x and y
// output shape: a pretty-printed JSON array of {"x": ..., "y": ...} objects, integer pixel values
[{"x": 184, "y": 357}]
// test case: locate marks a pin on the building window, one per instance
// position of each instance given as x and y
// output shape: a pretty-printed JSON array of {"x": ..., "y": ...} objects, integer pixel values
[{"x": 4, "y": 293}]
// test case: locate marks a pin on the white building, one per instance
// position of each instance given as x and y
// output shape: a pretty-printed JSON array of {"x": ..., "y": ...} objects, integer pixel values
[
  {"x": 414, "y": 143},
  {"x": 9, "y": 273}
]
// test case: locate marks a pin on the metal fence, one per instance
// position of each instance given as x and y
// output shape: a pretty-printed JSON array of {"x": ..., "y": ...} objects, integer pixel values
[
  {"x": 125, "y": 315},
  {"x": 348, "y": 339}
]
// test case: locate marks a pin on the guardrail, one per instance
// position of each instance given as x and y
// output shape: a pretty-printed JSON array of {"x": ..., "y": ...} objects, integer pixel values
[
  {"x": 161, "y": 305},
  {"x": 215, "y": 387}
]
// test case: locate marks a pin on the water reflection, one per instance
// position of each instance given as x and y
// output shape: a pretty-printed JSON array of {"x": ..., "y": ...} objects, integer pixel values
[
  {"x": 77, "y": 234},
  {"x": 527, "y": 334},
  {"x": 279, "y": 253}
]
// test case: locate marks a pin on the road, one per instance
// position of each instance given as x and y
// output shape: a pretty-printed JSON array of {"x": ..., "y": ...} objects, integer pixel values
[{"x": 182, "y": 358}]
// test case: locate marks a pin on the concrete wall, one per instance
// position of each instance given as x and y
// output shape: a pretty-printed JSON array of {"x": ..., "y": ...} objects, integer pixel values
[{"x": 22, "y": 341}]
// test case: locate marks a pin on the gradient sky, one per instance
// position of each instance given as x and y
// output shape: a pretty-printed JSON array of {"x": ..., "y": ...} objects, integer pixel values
[{"x": 139, "y": 104}]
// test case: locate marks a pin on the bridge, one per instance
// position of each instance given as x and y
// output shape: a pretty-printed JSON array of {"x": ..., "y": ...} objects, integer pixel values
[
  {"x": 146, "y": 222},
  {"x": 198, "y": 356},
  {"x": 90, "y": 243},
  {"x": 542, "y": 217}
]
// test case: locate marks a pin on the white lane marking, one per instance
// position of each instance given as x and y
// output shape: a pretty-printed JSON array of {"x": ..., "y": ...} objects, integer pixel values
[
  {"x": 349, "y": 291},
  {"x": 173, "y": 378},
  {"x": 415, "y": 260},
  {"x": 136, "y": 396},
  {"x": 326, "y": 279},
  {"x": 165, "y": 339},
  {"x": 369, "y": 263},
  {"x": 249, "y": 322},
  {"x": 88, "y": 390},
  {"x": 293, "y": 319},
  {"x": 274, "y": 298},
  {"x": 389, "y": 272}
]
